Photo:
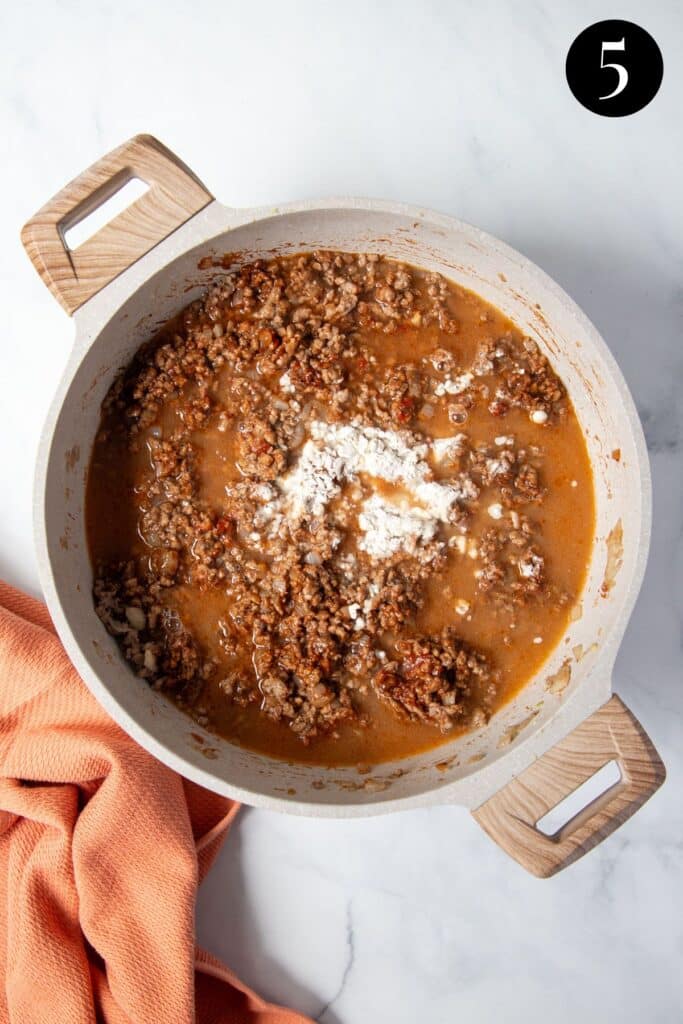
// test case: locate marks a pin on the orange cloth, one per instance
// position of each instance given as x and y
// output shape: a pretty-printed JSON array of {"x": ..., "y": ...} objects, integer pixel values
[{"x": 101, "y": 851}]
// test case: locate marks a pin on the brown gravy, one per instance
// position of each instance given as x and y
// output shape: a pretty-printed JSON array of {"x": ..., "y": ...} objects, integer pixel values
[{"x": 548, "y": 493}]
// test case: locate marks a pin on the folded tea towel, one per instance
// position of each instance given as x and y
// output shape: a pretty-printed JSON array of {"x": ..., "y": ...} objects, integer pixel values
[{"x": 101, "y": 852}]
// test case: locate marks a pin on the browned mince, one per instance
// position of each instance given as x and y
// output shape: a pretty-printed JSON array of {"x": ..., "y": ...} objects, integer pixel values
[{"x": 283, "y": 633}]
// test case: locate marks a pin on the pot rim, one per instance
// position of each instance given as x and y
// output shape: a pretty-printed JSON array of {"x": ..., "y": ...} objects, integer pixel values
[{"x": 92, "y": 318}]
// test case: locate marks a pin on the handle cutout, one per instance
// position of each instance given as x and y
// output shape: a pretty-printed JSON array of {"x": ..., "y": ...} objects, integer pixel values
[
  {"x": 102, "y": 207},
  {"x": 582, "y": 802}
]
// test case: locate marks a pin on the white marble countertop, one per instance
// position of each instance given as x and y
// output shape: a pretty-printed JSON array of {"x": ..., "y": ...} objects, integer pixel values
[{"x": 462, "y": 107}]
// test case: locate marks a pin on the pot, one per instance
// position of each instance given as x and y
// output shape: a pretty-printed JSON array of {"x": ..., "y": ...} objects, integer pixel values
[{"x": 139, "y": 271}]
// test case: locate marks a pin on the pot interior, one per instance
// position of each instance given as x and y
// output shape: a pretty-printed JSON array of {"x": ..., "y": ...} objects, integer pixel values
[{"x": 573, "y": 681}]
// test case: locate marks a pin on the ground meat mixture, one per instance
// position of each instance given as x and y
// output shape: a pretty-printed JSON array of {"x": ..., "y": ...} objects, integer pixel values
[
  {"x": 333, "y": 479},
  {"x": 434, "y": 679}
]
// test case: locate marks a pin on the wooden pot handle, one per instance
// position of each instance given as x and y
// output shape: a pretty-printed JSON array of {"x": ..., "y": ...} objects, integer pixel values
[
  {"x": 174, "y": 195},
  {"x": 511, "y": 815}
]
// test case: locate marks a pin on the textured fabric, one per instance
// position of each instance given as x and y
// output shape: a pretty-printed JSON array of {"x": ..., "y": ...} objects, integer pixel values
[{"x": 101, "y": 852}]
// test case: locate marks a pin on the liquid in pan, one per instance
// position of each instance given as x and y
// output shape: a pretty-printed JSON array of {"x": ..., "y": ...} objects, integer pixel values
[{"x": 339, "y": 509}]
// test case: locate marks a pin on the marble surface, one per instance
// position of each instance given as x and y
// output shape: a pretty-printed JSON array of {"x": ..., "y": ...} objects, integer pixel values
[{"x": 462, "y": 107}]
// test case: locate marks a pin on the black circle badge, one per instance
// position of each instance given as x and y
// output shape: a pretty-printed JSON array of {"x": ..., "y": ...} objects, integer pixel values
[{"x": 614, "y": 68}]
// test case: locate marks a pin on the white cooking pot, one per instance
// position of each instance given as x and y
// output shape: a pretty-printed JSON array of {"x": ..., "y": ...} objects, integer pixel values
[{"x": 139, "y": 271}]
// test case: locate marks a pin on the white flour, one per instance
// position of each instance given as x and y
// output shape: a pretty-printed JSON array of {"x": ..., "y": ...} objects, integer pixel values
[
  {"x": 335, "y": 454},
  {"x": 314, "y": 480},
  {"x": 448, "y": 449},
  {"x": 389, "y": 528},
  {"x": 454, "y": 385}
]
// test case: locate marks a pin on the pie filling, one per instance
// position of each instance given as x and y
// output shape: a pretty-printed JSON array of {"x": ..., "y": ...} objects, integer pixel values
[{"x": 339, "y": 509}]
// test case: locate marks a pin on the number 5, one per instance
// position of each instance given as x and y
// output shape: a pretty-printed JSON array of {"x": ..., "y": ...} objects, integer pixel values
[{"x": 619, "y": 68}]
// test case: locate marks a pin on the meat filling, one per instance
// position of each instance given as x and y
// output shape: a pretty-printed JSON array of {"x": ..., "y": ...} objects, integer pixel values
[{"x": 326, "y": 473}]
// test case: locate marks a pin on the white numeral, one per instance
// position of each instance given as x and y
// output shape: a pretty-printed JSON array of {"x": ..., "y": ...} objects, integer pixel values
[{"x": 619, "y": 68}]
